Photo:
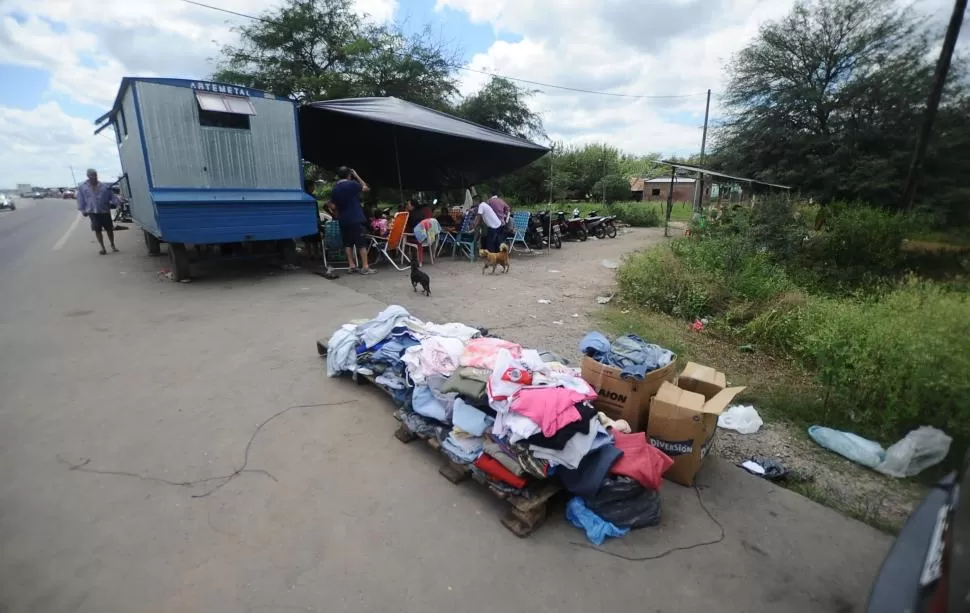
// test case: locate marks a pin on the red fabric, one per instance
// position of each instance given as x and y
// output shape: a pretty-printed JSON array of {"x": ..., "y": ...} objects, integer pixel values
[
  {"x": 641, "y": 460},
  {"x": 491, "y": 467}
]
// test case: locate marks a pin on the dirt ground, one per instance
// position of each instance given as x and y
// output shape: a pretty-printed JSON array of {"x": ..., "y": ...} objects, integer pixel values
[{"x": 571, "y": 279}]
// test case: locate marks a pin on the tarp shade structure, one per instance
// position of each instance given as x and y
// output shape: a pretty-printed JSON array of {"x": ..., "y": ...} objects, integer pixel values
[{"x": 385, "y": 139}]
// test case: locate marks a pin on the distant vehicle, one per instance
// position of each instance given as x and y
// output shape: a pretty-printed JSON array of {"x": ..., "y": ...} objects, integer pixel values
[
  {"x": 36, "y": 195},
  {"x": 6, "y": 202},
  {"x": 69, "y": 194}
]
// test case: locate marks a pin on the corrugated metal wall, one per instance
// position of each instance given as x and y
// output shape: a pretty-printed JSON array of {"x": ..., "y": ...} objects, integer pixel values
[
  {"x": 133, "y": 163},
  {"x": 171, "y": 124},
  {"x": 185, "y": 154},
  {"x": 275, "y": 145}
]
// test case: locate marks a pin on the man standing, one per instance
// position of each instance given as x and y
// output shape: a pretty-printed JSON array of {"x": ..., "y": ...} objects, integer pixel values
[
  {"x": 94, "y": 201},
  {"x": 345, "y": 206},
  {"x": 493, "y": 226}
]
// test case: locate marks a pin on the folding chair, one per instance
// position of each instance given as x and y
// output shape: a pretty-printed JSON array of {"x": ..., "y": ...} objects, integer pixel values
[
  {"x": 521, "y": 222},
  {"x": 393, "y": 242},
  {"x": 466, "y": 239},
  {"x": 426, "y": 234},
  {"x": 333, "y": 242}
]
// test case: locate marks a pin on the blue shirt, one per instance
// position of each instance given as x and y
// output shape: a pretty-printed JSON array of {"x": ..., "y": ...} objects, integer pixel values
[
  {"x": 346, "y": 197},
  {"x": 95, "y": 199}
]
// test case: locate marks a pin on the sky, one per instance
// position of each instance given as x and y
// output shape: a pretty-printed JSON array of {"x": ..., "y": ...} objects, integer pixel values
[{"x": 61, "y": 62}]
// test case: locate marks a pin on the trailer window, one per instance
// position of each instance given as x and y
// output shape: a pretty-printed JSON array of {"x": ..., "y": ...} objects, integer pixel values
[
  {"x": 221, "y": 111},
  {"x": 122, "y": 122}
]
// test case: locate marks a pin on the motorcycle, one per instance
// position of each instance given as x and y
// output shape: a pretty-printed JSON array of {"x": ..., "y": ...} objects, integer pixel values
[
  {"x": 540, "y": 224},
  {"x": 574, "y": 228},
  {"x": 601, "y": 226}
]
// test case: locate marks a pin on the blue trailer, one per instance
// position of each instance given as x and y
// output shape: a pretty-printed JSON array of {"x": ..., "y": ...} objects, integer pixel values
[{"x": 209, "y": 164}]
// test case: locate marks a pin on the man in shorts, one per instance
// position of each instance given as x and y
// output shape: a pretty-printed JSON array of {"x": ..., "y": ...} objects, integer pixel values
[
  {"x": 346, "y": 208},
  {"x": 94, "y": 201}
]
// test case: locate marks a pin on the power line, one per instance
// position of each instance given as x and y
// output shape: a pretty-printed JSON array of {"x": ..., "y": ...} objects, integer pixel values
[{"x": 485, "y": 72}]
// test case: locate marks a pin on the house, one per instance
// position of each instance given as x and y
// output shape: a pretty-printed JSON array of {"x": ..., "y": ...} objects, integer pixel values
[{"x": 655, "y": 190}]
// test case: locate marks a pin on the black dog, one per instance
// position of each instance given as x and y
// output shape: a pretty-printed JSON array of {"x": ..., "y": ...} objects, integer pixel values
[{"x": 418, "y": 276}]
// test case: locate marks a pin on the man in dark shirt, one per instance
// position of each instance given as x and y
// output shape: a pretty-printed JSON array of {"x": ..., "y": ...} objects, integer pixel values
[{"x": 346, "y": 208}]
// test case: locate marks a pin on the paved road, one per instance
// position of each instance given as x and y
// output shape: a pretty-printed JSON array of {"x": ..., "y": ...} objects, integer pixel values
[
  {"x": 29, "y": 229},
  {"x": 106, "y": 367}
]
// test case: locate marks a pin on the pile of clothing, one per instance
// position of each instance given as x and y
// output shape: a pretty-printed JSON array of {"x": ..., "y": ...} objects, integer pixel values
[
  {"x": 634, "y": 356},
  {"x": 516, "y": 417}
]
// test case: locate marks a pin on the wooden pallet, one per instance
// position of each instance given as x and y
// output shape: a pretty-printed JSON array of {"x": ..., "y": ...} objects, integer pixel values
[{"x": 526, "y": 514}]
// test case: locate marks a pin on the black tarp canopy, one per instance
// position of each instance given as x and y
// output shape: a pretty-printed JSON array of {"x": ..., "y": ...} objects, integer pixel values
[{"x": 393, "y": 143}]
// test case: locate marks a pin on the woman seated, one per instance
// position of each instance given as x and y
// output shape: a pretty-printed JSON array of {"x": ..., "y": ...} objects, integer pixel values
[
  {"x": 417, "y": 212},
  {"x": 446, "y": 221}
]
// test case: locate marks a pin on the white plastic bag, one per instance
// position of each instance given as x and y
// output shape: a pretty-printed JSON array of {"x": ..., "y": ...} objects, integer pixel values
[
  {"x": 915, "y": 452},
  {"x": 741, "y": 417}
]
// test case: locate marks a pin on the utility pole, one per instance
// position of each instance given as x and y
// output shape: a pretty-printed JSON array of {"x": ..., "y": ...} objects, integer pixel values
[
  {"x": 552, "y": 156},
  {"x": 73, "y": 178},
  {"x": 933, "y": 103},
  {"x": 604, "y": 181},
  {"x": 699, "y": 185}
]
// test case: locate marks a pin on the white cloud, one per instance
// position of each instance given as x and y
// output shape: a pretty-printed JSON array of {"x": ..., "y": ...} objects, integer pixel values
[
  {"x": 635, "y": 47},
  {"x": 87, "y": 46},
  {"x": 43, "y": 143}
]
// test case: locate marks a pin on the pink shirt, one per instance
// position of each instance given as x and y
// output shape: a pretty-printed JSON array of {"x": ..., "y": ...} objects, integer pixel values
[{"x": 550, "y": 407}]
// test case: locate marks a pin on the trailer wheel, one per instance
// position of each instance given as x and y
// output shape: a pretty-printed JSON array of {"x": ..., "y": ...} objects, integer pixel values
[
  {"x": 153, "y": 244},
  {"x": 180, "y": 261},
  {"x": 287, "y": 249}
]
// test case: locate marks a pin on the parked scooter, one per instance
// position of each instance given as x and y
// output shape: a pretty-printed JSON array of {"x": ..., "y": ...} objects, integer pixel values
[
  {"x": 543, "y": 220},
  {"x": 601, "y": 226},
  {"x": 574, "y": 228}
]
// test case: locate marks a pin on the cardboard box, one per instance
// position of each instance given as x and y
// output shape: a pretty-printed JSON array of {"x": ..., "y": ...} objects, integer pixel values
[
  {"x": 625, "y": 398},
  {"x": 701, "y": 379},
  {"x": 682, "y": 424}
]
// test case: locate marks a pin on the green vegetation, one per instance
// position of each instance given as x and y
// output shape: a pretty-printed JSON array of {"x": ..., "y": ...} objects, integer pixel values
[
  {"x": 848, "y": 304},
  {"x": 637, "y": 214}
]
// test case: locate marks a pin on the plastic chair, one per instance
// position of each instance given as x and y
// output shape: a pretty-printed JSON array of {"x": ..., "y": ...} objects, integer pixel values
[
  {"x": 426, "y": 234},
  {"x": 393, "y": 242},
  {"x": 333, "y": 242},
  {"x": 521, "y": 222},
  {"x": 466, "y": 240}
]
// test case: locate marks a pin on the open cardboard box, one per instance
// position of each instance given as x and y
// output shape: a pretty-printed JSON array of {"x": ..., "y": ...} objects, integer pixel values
[
  {"x": 682, "y": 424},
  {"x": 621, "y": 398},
  {"x": 702, "y": 379}
]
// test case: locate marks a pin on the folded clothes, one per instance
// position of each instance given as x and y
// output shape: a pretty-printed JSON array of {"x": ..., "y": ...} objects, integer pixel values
[
  {"x": 494, "y": 469},
  {"x": 470, "y": 389},
  {"x": 469, "y": 419},
  {"x": 451, "y": 330},
  {"x": 436, "y": 355},
  {"x": 461, "y": 446},
  {"x": 375, "y": 330},
  {"x": 576, "y": 448},
  {"x": 530, "y": 464},
  {"x": 562, "y": 436},
  {"x": 481, "y": 352},
  {"x": 495, "y": 450},
  {"x": 550, "y": 407},
  {"x": 422, "y": 426},
  {"x": 641, "y": 460},
  {"x": 424, "y": 402}
]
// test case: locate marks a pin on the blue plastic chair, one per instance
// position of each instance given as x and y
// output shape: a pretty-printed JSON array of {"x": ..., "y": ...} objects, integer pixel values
[
  {"x": 466, "y": 240},
  {"x": 521, "y": 222}
]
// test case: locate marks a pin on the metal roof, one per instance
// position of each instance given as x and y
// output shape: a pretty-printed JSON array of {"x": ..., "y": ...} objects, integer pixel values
[{"x": 714, "y": 173}]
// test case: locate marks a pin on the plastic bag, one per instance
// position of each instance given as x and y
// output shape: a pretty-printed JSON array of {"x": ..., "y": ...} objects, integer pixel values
[
  {"x": 623, "y": 502},
  {"x": 852, "y": 446},
  {"x": 741, "y": 417},
  {"x": 915, "y": 452},
  {"x": 597, "y": 529}
]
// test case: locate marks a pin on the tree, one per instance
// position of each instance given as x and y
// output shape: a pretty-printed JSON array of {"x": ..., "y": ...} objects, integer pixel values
[
  {"x": 829, "y": 99},
  {"x": 611, "y": 188},
  {"x": 501, "y": 105},
  {"x": 321, "y": 49}
]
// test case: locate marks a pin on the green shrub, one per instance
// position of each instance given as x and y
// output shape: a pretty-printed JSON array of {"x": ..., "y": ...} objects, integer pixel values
[
  {"x": 636, "y": 214},
  {"x": 658, "y": 279},
  {"x": 611, "y": 188}
]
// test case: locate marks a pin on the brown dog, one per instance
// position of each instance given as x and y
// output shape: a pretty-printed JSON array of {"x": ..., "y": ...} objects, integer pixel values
[{"x": 496, "y": 259}]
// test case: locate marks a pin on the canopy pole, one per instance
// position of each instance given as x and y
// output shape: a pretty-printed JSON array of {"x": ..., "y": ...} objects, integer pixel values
[
  {"x": 670, "y": 198},
  {"x": 397, "y": 160}
]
